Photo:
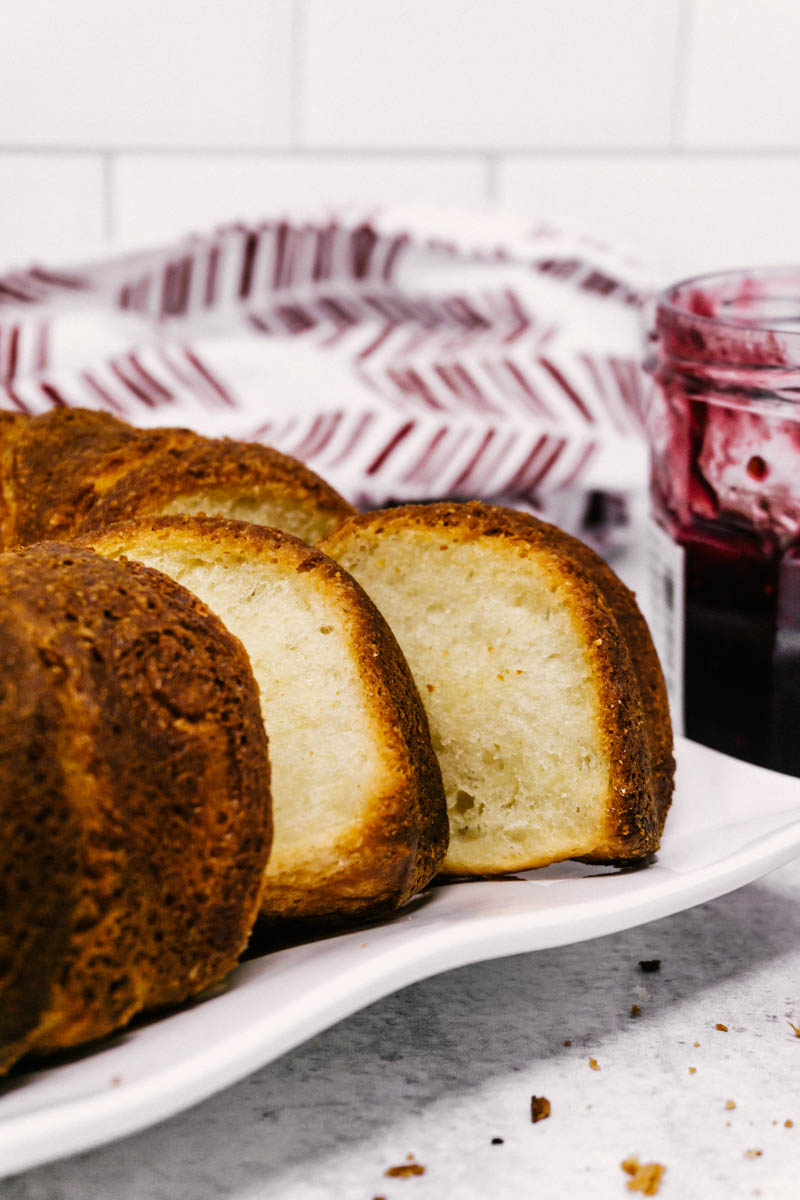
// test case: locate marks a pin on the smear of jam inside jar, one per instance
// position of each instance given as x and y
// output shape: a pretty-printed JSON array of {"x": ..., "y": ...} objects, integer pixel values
[{"x": 724, "y": 426}]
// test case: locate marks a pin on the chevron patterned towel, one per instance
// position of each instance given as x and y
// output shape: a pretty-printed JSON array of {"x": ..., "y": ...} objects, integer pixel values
[{"x": 403, "y": 354}]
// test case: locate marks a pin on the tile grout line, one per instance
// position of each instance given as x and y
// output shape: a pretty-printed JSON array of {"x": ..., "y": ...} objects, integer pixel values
[
  {"x": 109, "y": 198},
  {"x": 492, "y": 180},
  {"x": 440, "y": 153}
]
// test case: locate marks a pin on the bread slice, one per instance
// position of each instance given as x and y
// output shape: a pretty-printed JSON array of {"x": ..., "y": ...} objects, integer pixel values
[
  {"x": 359, "y": 812},
  {"x": 134, "y": 797},
  {"x": 523, "y": 649},
  {"x": 72, "y": 469}
]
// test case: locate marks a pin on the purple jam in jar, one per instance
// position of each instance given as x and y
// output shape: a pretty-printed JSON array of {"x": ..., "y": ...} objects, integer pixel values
[{"x": 724, "y": 429}]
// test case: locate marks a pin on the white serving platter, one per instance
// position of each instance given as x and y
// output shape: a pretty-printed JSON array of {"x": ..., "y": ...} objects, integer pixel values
[{"x": 730, "y": 824}]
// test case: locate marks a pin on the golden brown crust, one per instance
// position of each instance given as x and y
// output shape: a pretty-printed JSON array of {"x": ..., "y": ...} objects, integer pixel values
[
  {"x": 71, "y": 469},
  {"x": 403, "y": 841},
  {"x": 38, "y": 842},
  {"x": 12, "y": 426},
  {"x": 63, "y": 461},
  {"x": 152, "y": 785},
  {"x": 640, "y": 789},
  {"x": 221, "y": 468}
]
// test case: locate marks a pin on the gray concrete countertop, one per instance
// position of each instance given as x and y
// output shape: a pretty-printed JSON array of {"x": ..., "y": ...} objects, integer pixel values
[{"x": 442, "y": 1069}]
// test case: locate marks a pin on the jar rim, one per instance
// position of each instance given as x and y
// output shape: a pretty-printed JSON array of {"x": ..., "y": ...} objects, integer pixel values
[
  {"x": 746, "y": 316},
  {"x": 748, "y": 280}
]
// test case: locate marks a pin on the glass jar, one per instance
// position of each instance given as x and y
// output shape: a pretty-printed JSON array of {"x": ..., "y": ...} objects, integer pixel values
[{"x": 724, "y": 428}]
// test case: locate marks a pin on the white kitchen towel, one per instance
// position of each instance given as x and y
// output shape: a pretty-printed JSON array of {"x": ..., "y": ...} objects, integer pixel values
[{"x": 403, "y": 354}]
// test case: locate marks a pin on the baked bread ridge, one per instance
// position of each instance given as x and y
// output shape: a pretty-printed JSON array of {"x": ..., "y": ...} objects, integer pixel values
[
  {"x": 71, "y": 469},
  {"x": 628, "y": 829},
  {"x": 61, "y": 462},
  {"x": 143, "y": 731},
  {"x": 226, "y": 478},
  {"x": 384, "y": 833},
  {"x": 12, "y": 425}
]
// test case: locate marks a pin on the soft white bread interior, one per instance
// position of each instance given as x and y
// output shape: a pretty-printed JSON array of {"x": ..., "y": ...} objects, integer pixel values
[
  {"x": 534, "y": 704},
  {"x": 360, "y": 822}
]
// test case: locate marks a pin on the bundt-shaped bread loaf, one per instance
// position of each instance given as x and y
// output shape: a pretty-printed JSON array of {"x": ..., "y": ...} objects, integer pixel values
[
  {"x": 545, "y": 699},
  {"x": 134, "y": 797},
  {"x": 69, "y": 470},
  {"x": 359, "y": 812}
]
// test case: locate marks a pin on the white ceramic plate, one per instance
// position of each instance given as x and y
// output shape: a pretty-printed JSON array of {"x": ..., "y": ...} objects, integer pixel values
[{"x": 730, "y": 824}]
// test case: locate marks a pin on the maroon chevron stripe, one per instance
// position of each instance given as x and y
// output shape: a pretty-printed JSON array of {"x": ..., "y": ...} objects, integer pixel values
[
  {"x": 604, "y": 394},
  {"x": 319, "y": 435},
  {"x": 520, "y": 480},
  {"x": 208, "y": 376},
  {"x": 157, "y": 390},
  {"x": 418, "y": 469},
  {"x": 107, "y": 400},
  {"x": 548, "y": 464},
  {"x": 10, "y": 353},
  {"x": 359, "y": 433},
  {"x": 399, "y": 436},
  {"x": 53, "y": 395},
  {"x": 468, "y": 471},
  {"x": 566, "y": 387},
  {"x": 135, "y": 388}
]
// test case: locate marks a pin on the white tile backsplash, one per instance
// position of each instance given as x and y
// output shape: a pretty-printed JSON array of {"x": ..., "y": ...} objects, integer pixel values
[
  {"x": 743, "y": 86},
  {"x": 444, "y": 73},
  {"x": 668, "y": 124},
  {"x": 52, "y": 207},
  {"x": 145, "y": 72},
  {"x": 163, "y": 196},
  {"x": 682, "y": 214}
]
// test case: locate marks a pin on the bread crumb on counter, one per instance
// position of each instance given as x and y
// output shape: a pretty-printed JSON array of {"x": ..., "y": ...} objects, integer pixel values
[
  {"x": 645, "y": 1177},
  {"x": 692, "y": 1070},
  {"x": 722, "y": 1028},
  {"x": 406, "y": 1169},
  {"x": 730, "y": 1104},
  {"x": 540, "y": 1108},
  {"x": 594, "y": 1064},
  {"x": 636, "y": 1010},
  {"x": 796, "y": 1028},
  {"x": 753, "y": 1153}
]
